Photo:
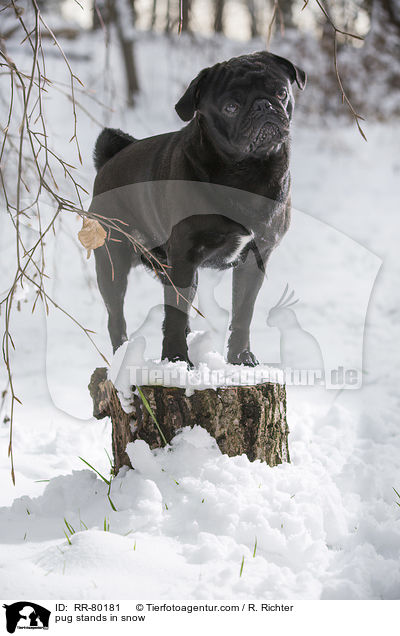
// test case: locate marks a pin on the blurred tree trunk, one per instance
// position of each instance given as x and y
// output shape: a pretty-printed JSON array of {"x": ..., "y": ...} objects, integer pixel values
[
  {"x": 385, "y": 19},
  {"x": 167, "y": 28},
  {"x": 381, "y": 51},
  {"x": 133, "y": 12},
  {"x": 382, "y": 48},
  {"x": 286, "y": 8},
  {"x": 185, "y": 14},
  {"x": 153, "y": 15},
  {"x": 121, "y": 14},
  {"x": 254, "y": 23},
  {"x": 219, "y": 6},
  {"x": 327, "y": 32},
  {"x": 372, "y": 73},
  {"x": 100, "y": 14}
]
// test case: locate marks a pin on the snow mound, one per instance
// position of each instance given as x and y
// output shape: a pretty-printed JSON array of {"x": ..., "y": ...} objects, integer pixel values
[
  {"x": 186, "y": 516},
  {"x": 129, "y": 368}
]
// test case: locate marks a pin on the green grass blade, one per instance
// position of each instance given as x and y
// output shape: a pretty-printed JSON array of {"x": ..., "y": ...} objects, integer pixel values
[
  {"x": 111, "y": 504},
  {"x": 150, "y": 411},
  {"x": 110, "y": 460},
  {"x": 70, "y": 528},
  {"x": 107, "y": 481},
  {"x": 68, "y": 539},
  {"x": 241, "y": 567}
]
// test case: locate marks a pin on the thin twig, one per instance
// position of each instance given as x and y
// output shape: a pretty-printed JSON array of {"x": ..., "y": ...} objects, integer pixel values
[{"x": 336, "y": 30}]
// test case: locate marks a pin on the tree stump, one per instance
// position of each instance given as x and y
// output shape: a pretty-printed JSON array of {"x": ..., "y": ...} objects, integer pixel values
[{"x": 242, "y": 419}]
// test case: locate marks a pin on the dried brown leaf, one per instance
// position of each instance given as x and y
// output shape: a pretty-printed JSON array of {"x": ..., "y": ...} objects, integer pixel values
[{"x": 92, "y": 235}]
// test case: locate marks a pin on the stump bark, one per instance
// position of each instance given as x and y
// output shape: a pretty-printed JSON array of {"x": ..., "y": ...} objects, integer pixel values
[{"x": 242, "y": 419}]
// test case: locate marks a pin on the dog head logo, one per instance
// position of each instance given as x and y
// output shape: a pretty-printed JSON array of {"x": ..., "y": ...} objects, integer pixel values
[{"x": 26, "y": 615}]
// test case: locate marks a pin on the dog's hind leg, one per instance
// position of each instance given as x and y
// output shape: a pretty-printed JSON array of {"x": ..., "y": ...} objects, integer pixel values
[{"x": 113, "y": 262}]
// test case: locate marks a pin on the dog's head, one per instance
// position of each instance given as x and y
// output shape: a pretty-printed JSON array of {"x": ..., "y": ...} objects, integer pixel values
[{"x": 246, "y": 104}]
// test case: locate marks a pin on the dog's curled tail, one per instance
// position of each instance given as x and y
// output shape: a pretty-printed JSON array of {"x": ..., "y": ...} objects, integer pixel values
[{"x": 109, "y": 142}]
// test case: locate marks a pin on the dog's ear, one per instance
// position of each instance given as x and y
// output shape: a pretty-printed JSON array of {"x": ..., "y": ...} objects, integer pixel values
[
  {"x": 295, "y": 73},
  {"x": 187, "y": 105}
]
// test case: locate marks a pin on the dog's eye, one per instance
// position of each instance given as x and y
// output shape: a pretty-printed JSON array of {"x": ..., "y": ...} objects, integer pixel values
[
  {"x": 282, "y": 94},
  {"x": 231, "y": 108}
]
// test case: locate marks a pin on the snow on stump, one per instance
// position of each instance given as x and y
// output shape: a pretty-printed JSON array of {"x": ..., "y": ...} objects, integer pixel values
[{"x": 242, "y": 419}]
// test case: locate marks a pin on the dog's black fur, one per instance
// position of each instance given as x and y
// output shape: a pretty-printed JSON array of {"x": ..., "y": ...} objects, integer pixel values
[{"x": 238, "y": 137}]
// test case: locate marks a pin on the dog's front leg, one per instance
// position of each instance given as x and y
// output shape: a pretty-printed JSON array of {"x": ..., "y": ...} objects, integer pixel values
[
  {"x": 179, "y": 293},
  {"x": 247, "y": 279}
]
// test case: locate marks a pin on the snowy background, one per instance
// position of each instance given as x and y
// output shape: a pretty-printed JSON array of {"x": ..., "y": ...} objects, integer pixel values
[{"x": 325, "y": 526}]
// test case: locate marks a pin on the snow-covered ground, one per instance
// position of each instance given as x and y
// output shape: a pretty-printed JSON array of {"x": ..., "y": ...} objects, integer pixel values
[{"x": 325, "y": 526}]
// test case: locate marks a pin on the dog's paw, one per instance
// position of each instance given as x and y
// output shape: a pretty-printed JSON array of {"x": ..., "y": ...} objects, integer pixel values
[
  {"x": 245, "y": 357},
  {"x": 179, "y": 358}
]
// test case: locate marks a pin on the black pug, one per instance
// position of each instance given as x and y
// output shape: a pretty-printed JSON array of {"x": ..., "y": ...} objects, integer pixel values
[{"x": 214, "y": 194}]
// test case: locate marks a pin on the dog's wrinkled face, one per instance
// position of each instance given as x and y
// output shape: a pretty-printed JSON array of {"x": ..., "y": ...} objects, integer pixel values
[{"x": 245, "y": 104}]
